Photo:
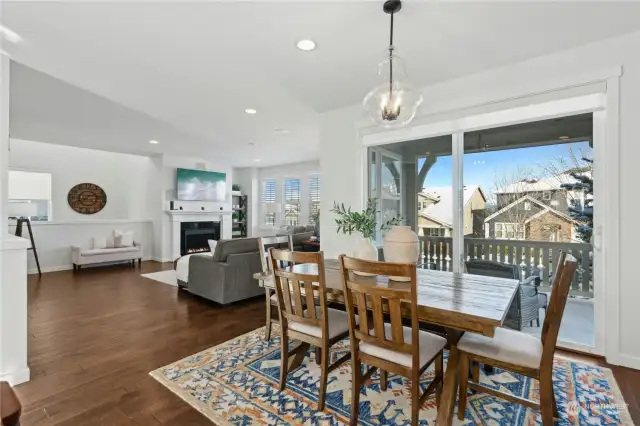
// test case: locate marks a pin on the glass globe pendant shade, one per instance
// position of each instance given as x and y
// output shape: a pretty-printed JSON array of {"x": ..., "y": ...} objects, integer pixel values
[{"x": 394, "y": 101}]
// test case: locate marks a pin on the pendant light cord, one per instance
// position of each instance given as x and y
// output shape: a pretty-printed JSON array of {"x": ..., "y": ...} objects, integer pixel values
[{"x": 391, "y": 58}]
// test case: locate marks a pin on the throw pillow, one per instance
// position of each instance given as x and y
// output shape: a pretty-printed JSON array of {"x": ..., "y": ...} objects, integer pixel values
[
  {"x": 212, "y": 245},
  {"x": 123, "y": 239},
  {"x": 99, "y": 242},
  {"x": 110, "y": 242}
]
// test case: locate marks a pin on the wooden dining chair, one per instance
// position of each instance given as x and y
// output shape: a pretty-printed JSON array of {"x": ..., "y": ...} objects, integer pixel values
[
  {"x": 271, "y": 299},
  {"x": 314, "y": 325},
  {"x": 522, "y": 353},
  {"x": 390, "y": 347}
]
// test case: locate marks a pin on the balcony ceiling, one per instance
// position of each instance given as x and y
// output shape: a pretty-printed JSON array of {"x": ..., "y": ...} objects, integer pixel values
[{"x": 195, "y": 67}]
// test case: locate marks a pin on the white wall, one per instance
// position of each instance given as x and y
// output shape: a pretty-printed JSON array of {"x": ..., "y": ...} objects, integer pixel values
[
  {"x": 123, "y": 177},
  {"x": 341, "y": 156},
  {"x": 296, "y": 170}
]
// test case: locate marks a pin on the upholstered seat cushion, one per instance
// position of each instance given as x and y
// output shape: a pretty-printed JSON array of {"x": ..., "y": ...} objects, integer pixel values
[
  {"x": 99, "y": 252},
  {"x": 507, "y": 345},
  {"x": 429, "y": 346},
  {"x": 337, "y": 322}
]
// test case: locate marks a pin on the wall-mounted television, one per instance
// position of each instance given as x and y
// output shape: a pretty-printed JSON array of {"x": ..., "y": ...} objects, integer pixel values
[{"x": 201, "y": 185}]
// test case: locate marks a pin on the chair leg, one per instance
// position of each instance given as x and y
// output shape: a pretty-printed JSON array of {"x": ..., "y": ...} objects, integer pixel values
[
  {"x": 464, "y": 382},
  {"x": 546, "y": 401},
  {"x": 267, "y": 330},
  {"x": 538, "y": 321},
  {"x": 383, "y": 380},
  {"x": 475, "y": 372},
  {"x": 439, "y": 367},
  {"x": 324, "y": 377},
  {"x": 284, "y": 357},
  {"x": 318, "y": 355},
  {"x": 415, "y": 400},
  {"x": 356, "y": 379}
]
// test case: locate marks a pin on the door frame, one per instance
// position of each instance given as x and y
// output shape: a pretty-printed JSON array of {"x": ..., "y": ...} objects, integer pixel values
[{"x": 605, "y": 108}]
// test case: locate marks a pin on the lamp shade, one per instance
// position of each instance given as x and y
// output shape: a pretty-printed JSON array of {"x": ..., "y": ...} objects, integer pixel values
[{"x": 274, "y": 207}]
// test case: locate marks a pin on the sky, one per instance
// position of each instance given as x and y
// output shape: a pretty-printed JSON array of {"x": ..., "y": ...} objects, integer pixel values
[{"x": 487, "y": 168}]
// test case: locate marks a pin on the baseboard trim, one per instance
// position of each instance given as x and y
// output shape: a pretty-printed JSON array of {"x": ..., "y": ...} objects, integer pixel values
[
  {"x": 68, "y": 267},
  {"x": 16, "y": 377},
  {"x": 161, "y": 260},
  {"x": 624, "y": 360}
]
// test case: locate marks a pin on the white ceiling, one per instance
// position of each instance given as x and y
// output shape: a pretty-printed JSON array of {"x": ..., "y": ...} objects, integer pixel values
[{"x": 197, "y": 66}]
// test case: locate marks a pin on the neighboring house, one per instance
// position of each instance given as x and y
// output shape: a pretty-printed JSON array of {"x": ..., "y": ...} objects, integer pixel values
[
  {"x": 435, "y": 211},
  {"x": 534, "y": 210}
]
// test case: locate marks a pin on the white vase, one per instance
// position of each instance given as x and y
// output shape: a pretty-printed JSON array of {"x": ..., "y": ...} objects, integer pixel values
[
  {"x": 365, "y": 249},
  {"x": 401, "y": 245}
]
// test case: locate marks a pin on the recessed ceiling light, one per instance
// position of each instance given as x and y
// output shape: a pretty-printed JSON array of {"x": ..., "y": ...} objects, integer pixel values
[
  {"x": 251, "y": 143},
  {"x": 563, "y": 137},
  {"x": 306, "y": 45},
  {"x": 154, "y": 142},
  {"x": 257, "y": 160},
  {"x": 250, "y": 111}
]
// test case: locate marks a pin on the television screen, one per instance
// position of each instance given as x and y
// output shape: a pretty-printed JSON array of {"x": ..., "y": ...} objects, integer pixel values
[{"x": 200, "y": 185}]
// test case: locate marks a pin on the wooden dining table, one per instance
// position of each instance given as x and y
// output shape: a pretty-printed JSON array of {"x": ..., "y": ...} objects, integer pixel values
[{"x": 457, "y": 302}]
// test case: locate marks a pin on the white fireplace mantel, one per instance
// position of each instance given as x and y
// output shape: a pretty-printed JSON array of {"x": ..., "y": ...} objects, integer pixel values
[{"x": 178, "y": 216}]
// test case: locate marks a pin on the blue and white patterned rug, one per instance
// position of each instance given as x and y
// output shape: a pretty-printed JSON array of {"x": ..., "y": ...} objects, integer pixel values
[{"x": 236, "y": 383}]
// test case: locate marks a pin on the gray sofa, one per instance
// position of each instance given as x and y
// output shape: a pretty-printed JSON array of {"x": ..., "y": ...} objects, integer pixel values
[
  {"x": 227, "y": 276},
  {"x": 289, "y": 230}
]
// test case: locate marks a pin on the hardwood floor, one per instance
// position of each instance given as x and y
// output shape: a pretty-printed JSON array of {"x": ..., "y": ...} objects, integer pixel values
[{"x": 95, "y": 335}]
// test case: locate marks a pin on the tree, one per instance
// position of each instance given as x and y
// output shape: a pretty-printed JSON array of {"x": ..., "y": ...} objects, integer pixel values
[{"x": 582, "y": 210}]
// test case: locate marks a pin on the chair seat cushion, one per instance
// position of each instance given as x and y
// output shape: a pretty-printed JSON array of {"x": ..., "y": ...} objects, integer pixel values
[
  {"x": 507, "y": 345},
  {"x": 338, "y": 323},
  {"x": 429, "y": 345},
  {"x": 100, "y": 252}
]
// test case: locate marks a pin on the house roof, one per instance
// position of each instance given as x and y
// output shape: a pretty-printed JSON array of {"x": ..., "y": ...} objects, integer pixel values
[
  {"x": 545, "y": 209},
  {"x": 442, "y": 210},
  {"x": 546, "y": 184}
]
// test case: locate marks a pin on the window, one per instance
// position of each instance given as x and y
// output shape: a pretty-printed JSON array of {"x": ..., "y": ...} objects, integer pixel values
[
  {"x": 509, "y": 231},
  {"x": 314, "y": 199},
  {"x": 291, "y": 201},
  {"x": 546, "y": 195},
  {"x": 29, "y": 195},
  {"x": 527, "y": 205},
  {"x": 269, "y": 202},
  {"x": 436, "y": 232}
]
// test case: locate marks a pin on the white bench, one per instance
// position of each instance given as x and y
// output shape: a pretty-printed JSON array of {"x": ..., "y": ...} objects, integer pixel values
[{"x": 84, "y": 256}]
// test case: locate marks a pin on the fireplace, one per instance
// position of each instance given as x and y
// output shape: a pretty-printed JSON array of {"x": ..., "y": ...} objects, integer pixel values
[{"x": 194, "y": 236}]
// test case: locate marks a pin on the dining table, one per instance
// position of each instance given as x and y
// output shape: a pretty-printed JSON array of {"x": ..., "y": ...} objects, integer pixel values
[{"x": 459, "y": 303}]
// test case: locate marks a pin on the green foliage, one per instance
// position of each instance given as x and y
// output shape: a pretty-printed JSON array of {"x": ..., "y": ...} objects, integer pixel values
[
  {"x": 235, "y": 187},
  {"x": 363, "y": 222}
]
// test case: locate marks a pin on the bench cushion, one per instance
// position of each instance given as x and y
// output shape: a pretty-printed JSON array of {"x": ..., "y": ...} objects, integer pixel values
[{"x": 100, "y": 252}]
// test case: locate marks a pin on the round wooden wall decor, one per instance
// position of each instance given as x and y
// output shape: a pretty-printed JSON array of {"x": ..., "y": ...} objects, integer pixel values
[{"x": 87, "y": 198}]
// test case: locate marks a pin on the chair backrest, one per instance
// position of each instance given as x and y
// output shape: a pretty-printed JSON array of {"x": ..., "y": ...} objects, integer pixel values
[
  {"x": 492, "y": 268},
  {"x": 565, "y": 270},
  {"x": 265, "y": 243},
  {"x": 364, "y": 292},
  {"x": 301, "y": 277}
]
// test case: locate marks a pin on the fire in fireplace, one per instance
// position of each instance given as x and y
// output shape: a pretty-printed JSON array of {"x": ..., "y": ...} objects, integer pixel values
[{"x": 194, "y": 236}]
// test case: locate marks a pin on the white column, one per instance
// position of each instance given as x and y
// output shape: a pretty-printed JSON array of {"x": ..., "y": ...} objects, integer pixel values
[{"x": 13, "y": 262}]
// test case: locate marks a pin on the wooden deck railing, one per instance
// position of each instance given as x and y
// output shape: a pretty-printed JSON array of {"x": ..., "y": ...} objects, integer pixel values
[{"x": 537, "y": 258}]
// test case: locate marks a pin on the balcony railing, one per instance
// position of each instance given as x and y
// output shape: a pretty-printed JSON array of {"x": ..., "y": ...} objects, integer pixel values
[{"x": 535, "y": 258}]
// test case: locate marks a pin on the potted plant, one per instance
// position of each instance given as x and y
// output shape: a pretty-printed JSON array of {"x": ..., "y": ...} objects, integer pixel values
[
  {"x": 364, "y": 223},
  {"x": 235, "y": 189}
]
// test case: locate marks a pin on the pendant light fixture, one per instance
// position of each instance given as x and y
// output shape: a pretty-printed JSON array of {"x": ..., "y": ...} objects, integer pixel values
[{"x": 394, "y": 102}]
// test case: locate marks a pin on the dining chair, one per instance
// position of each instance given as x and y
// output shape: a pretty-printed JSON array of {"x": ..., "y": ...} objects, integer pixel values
[
  {"x": 264, "y": 243},
  {"x": 389, "y": 347},
  {"x": 319, "y": 325},
  {"x": 519, "y": 352}
]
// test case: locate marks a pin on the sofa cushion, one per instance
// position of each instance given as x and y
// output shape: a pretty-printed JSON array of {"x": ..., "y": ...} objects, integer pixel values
[
  {"x": 99, "y": 252},
  {"x": 240, "y": 245}
]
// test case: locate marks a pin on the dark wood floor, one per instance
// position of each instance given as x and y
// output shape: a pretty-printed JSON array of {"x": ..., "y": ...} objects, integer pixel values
[{"x": 95, "y": 335}]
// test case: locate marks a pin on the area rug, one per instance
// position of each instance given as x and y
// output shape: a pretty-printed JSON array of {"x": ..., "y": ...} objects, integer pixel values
[
  {"x": 236, "y": 383},
  {"x": 165, "y": 277}
]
